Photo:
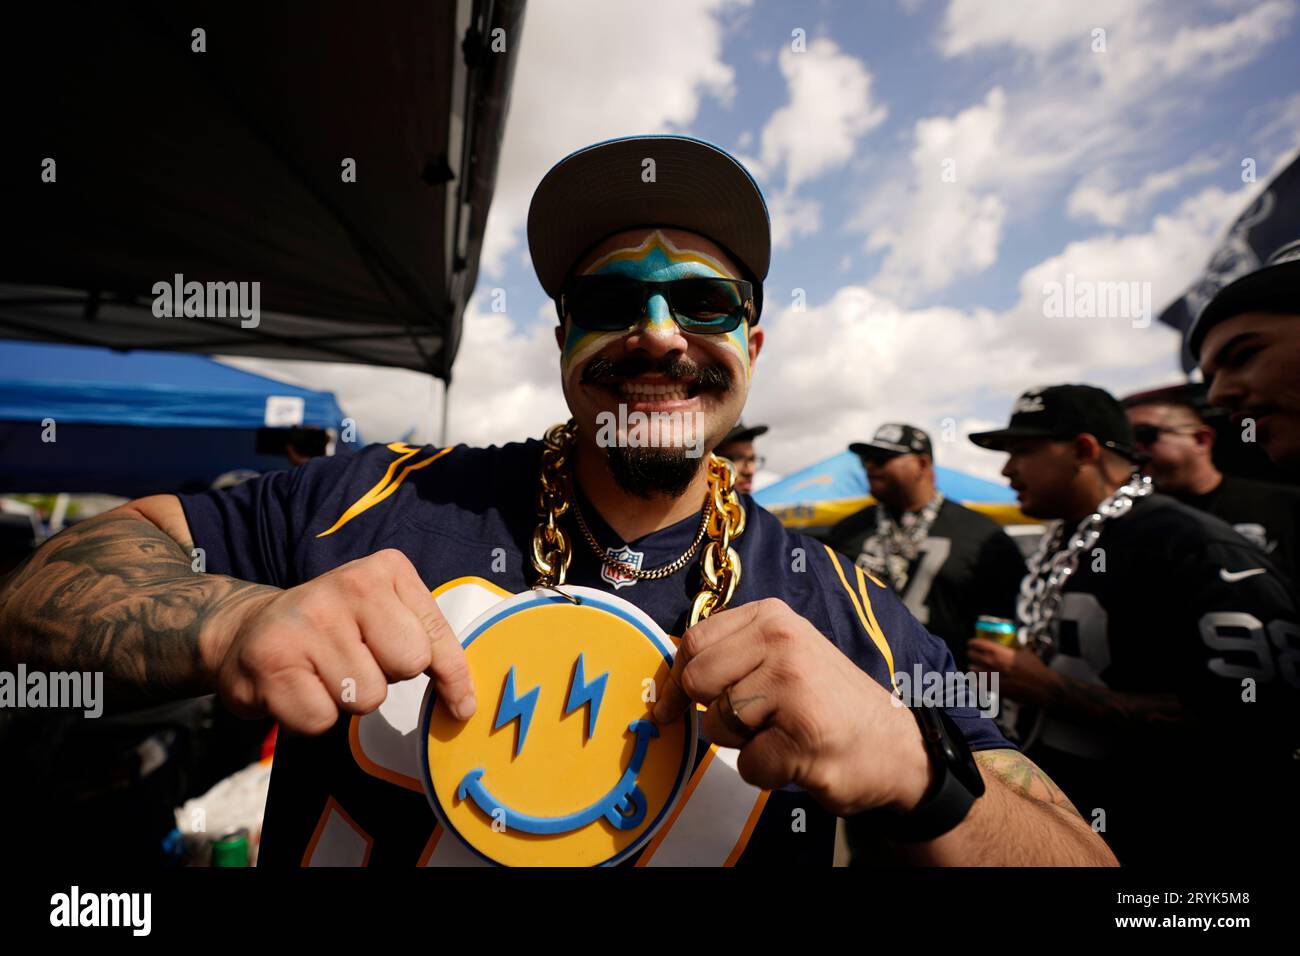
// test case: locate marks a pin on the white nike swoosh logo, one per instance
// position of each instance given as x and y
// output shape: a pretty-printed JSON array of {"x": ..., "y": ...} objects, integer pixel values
[{"x": 1231, "y": 576}]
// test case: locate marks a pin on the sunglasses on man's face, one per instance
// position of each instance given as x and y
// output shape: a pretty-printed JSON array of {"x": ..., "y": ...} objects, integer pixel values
[
  {"x": 612, "y": 303},
  {"x": 1150, "y": 434}
]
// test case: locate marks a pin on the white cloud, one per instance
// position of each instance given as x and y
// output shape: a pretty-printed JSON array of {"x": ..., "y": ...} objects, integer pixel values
[
  {"x": 1276, "y": 118},
  {"x": 948, "y": 224},
  {"x": 1078, "y": 109},
  {"x": 1211, "y": 51},
  {"x": 1145, "y": 40},
  {"x": 861, "y": 358},
  {"x": 1100, "y": 201},
  {"x": 506, "y": 385},
  {"x": 792, "y": 217},
  {"x": 830, "y": 109},
  {"x": 590, "y": 70},
  {"x": 1031, "y": 25},
  {"x": 829, "y": 375},
  {"x": 509, "y": 385},
  {"x": 385, "y": 403}
]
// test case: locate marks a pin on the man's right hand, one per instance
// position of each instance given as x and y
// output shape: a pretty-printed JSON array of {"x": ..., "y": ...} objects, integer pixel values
[{"x": 335, "y": 644}]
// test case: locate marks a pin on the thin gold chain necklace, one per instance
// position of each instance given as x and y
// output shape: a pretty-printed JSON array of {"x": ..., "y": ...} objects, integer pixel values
[
  {"x": 723, "y": 522},
  {"x": 622, "y": 566}
]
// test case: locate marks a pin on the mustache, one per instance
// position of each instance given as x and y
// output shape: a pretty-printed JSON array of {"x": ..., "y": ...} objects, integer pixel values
[{"x": 601, "y": 370}]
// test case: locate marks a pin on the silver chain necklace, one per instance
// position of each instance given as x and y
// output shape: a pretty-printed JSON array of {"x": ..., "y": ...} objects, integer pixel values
[
  {"x": 1052, "y": 565},
  {"x": 890, "y": 550}
]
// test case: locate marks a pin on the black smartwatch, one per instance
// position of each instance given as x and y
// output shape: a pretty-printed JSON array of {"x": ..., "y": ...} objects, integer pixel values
[{"x": 956, "y": 786}]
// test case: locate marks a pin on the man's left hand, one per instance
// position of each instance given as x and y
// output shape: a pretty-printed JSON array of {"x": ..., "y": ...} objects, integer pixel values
[
  {"x": 818, "y": 721},
  {"x": 1022, "y": 675}
]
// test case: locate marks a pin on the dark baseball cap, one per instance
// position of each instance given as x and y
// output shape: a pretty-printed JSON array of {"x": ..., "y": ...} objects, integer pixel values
[
  {"x": 894, "y": 439},
  {"x": 602, "y": 190},
  {"x": 1270, "y": 288},
  {"x": 743, "y": 433},
  {"x": 1191, "y": 395},
  {"x": 1061, "y": 412}
]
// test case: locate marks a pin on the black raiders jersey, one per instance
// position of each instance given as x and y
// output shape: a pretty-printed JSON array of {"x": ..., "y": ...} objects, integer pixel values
[
  {"x": 1173, "y": 601},
  {"x": 1265, "y": 514},
  {"x": 966, "y": 567}
]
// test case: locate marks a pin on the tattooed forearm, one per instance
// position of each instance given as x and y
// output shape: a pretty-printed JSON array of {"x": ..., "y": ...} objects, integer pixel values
[
  {"x": 116, "y": 594},
  {"x": 1023, "y": 776},
  {"x": 1023, "y": 819},
  {"x": 1116, "y": 711}
]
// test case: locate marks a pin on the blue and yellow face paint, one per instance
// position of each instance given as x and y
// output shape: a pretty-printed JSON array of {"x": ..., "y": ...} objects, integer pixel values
[{"x": 656, "y": 259}]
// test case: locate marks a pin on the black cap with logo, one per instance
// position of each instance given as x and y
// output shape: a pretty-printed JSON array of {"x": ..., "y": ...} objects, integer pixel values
[
  {"x": 894, "y": 439},
  {"x": 1061, "y": 412},
  {"x": 741, "y": 432}
]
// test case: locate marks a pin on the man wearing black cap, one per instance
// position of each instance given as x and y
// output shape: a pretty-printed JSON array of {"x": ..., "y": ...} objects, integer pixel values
[
  {"x": 654, "y": 249},
  {"x": 738, "y": 448},
  {"x": 1247, "y": 340},
  {"x": 949, "y": 564},
  {"x": 1157, "y": 642}
]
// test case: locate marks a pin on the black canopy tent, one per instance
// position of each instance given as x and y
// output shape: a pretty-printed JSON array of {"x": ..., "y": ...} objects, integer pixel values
[{"x": 227, "y": 165}]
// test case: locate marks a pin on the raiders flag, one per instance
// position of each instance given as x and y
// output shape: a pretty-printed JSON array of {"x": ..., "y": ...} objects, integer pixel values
[{"x": 1269, "y": 223}]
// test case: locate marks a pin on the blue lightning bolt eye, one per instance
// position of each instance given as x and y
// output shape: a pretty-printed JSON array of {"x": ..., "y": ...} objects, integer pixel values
[
  {"x": 513, "y": 706},
  {"x": 580, "y": 692}
]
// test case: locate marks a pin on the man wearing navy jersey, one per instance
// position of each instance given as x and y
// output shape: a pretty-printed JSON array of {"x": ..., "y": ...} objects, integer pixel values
[{"x": 324, "y": 574}]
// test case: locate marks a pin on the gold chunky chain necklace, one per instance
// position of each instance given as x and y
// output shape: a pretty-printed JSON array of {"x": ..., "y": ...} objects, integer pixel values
[{"x": 723, "y": 522}]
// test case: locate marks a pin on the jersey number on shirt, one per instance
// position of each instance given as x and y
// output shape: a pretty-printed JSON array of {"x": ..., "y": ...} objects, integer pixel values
[
  {"x": 1252, "y": 647},
  {"x": 1082, "y": 653},
  {"x": 934, "y": 552}
]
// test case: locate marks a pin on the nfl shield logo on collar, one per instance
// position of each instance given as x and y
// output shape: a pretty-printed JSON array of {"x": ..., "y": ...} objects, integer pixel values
[{"x": 616, "y": 576}]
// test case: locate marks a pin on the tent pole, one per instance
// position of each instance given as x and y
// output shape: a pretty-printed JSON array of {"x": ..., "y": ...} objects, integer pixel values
[{"x": 446, "y": 399}]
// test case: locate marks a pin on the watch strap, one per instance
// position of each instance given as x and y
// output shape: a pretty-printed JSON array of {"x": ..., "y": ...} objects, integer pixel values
[{"x": 948, "y": 799}]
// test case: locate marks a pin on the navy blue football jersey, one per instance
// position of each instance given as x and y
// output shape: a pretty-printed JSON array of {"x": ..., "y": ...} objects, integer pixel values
[{"x": 465, "y": 518}]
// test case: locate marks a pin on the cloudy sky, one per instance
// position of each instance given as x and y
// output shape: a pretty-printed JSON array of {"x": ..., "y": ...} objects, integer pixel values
[{"x": 930, "y": 166}]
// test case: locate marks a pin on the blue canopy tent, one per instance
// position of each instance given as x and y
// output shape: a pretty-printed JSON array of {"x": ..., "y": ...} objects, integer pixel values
[
  {"x": 135, "y": 423},
  {"x": 815, "y": 498}
]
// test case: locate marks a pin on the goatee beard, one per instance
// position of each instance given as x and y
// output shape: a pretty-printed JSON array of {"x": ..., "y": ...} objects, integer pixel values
[{"x": 651, "y": 472}]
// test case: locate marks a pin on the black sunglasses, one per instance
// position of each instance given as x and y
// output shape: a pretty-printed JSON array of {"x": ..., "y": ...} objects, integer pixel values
[
  {"x": 611, "y": 303},
  {"x": 1150, "y": 434}
]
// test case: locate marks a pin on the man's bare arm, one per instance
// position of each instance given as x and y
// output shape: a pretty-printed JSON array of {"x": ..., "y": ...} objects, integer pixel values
[
  {"x": 118, "y": 594},
  {"x": 1097, "y": 706},
  {"x": 1023, "y": 819},
  {"x": 1023, "y": 777},
  {"x": 1025, "y": 677}
]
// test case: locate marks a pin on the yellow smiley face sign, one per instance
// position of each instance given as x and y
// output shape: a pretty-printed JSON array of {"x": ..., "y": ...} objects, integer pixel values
[{"x": 562, "y": 763}]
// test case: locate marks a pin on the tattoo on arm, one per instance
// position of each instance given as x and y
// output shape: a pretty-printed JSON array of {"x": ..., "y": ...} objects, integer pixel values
[
  {"x": 1021, "y": 775},
  {"x": 1097, "y": 705},
  {"x": 116, "y": 594}
]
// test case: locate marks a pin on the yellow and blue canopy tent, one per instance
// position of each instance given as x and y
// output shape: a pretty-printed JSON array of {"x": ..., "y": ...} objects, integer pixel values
[{"x": 814, "y": 499}]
